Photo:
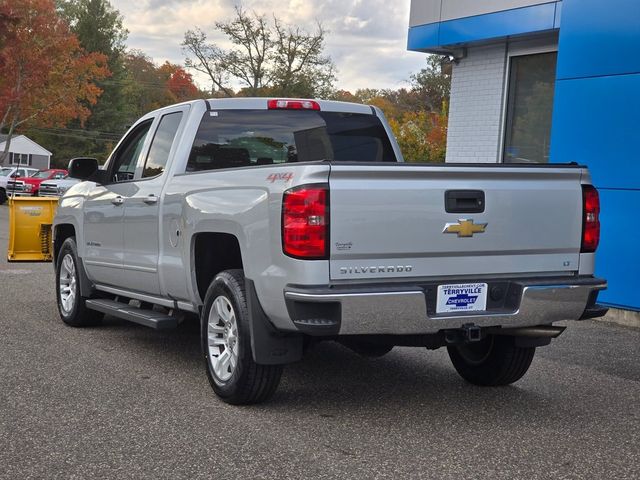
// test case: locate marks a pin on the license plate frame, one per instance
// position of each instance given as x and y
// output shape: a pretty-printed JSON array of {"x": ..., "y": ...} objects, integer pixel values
[{"x": 462, "y": 298}]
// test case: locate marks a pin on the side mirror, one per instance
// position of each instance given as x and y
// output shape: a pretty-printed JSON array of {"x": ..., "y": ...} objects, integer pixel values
[{"x": 83, "y": 168}]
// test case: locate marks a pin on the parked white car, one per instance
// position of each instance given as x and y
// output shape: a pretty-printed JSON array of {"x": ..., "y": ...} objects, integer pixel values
[{"x": 7, "y": 173}]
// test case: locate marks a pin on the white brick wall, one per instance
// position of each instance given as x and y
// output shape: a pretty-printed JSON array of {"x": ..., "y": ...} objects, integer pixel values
[{"x": 475, "y": 112}]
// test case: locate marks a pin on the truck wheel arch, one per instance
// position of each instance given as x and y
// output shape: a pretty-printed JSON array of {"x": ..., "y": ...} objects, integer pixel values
[
  {"x": 61, "y": 233},
  {"x": 213, "y": 252}
]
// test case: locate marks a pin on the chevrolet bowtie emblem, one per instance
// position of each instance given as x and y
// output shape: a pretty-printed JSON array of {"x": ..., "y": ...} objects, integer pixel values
[{"x": 465, "y": 227}]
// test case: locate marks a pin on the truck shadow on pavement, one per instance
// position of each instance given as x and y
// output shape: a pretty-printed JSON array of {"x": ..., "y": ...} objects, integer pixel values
[{"x": 334, "y": 379}]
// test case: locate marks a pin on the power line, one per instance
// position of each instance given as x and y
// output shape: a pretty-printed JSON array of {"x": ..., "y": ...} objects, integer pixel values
[
  {"x": 77, "y": 136},
  {"x": 78, "y": 131}
]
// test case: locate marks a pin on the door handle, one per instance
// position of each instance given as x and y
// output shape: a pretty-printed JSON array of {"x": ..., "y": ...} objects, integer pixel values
[
  {"x": 151, "y": 199},
  {"x": 117, "y": 201},
  {"x": 464, "y": 201}
]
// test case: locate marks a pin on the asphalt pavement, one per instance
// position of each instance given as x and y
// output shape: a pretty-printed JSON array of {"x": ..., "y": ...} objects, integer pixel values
[{"x": 123, "y": 401}]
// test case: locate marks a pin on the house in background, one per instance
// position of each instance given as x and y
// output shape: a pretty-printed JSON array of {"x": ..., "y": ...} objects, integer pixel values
[
  {"x": 549, "y": 81},
  {"x": 24, "y": 151}
]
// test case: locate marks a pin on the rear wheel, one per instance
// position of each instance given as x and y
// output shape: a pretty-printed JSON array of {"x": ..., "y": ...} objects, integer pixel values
[
  {"x": 493, "y": 361},
  {"x": 3, "y": 196},
  {"x": 71, "y": 304},
  {"x": 226, "y": 341}
]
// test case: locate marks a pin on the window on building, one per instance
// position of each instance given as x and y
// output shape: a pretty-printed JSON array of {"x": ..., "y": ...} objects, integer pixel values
[
  {"x": 529, "y": 108},
  {"x": 20, "y": 158}
]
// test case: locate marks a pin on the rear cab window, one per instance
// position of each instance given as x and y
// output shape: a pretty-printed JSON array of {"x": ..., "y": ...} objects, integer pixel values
[{"x": 246, "y": 138}]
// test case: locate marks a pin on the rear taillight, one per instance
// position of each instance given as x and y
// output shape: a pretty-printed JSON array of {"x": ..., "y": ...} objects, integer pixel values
[
  {"x": 284, "y": 104},
  {"x": 590, "y": 219},
  {"x": 305, "y": 222}
]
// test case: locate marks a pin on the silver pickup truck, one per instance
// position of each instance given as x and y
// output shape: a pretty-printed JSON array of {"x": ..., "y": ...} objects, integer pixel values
[{"x": 282, "y": 222}]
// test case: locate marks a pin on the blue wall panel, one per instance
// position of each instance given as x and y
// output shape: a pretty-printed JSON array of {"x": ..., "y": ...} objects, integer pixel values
[
  {"x": 618, "y": 257},
  {"x": 517, "y": 21},
  {"x": 596, "y": 121},
  {"x": 599, "y": 37},
  {"x": 423, "y": 37}
]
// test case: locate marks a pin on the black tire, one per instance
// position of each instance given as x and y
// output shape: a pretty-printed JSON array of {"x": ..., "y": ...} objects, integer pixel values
[
  {"x": 249, "y": 382},
  {"x": 494, "y": 361},
  {"x": 367, "y": 349},
  {"x": 3, "y": 196},
  {"x": 73, "y": 313}
]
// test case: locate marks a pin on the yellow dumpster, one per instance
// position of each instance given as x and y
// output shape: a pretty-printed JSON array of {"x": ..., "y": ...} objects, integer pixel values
[{"x": 30, "y": 236}]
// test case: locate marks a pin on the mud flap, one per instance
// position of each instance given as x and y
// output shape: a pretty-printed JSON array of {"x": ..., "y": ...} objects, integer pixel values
[
  {"x": 269, "y": 346},
  {"x": 86, "y": 286}
]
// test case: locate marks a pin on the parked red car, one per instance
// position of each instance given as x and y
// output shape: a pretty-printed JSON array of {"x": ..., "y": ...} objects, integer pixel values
[{"x": 30, "y": 185}]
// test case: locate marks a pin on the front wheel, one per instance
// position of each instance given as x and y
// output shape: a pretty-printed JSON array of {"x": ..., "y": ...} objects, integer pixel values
[
  {"x": 495, "y": 360},
  {"x": 3, "y": 196},
  {"x": 71, "y": 304},
  {"x": 226, "y": 341}
]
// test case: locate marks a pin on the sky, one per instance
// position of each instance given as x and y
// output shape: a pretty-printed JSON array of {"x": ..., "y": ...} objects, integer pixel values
[{"x": 367, "y": 39}]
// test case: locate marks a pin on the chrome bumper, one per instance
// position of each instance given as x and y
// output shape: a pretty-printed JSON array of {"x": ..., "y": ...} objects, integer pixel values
[{"x": 403, "y": 310}]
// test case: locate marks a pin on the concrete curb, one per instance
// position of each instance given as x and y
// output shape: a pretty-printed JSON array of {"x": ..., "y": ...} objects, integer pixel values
[{"x": 626, "y": 318}]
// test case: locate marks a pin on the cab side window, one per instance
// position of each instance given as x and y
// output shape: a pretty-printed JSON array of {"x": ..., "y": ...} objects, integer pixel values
[
  {"x": 126, "y": 157},
  {"x": 161, "y": 145}
]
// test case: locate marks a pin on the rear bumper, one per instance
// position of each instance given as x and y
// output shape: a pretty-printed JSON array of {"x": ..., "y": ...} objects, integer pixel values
[{"x": 405, "y": 310}]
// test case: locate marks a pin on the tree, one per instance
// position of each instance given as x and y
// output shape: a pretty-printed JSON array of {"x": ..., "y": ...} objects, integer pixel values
[
  {"x": 266, "y": 58},
  {"x": 7, "y": 20},
  {"x": 343, "y": 96},
  {"x": 298, "y": 66},
  {"x": 432, "y": 85},
  {"x": 208, "y": 60},
  {"x": 146, "y": 86},
  {"x": 422, "y": 136},
  {"x": 419, "y": 115},
  {"x": 179, "y": 82},
  {"x": 252, "y": 39},
  {"x": 99, "y": 28},
  {"x": 47, "y": 79},
  {"x": 7, "y": 33}
]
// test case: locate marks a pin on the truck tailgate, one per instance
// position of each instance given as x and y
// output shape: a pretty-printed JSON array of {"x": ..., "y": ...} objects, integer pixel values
[{"x": 388, "y": 220}]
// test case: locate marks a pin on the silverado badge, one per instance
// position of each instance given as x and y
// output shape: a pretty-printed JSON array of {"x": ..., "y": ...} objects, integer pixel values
[{"x": 465, "y": 227}]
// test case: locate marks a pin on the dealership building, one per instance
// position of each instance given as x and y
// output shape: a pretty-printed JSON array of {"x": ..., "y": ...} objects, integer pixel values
[{"x": 554, "y": 81}]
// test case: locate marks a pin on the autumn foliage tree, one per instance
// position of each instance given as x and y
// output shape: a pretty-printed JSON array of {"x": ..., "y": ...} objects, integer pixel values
[
  {"x": 418, "y": 115},
  {"x": 422, "y": 135},
  {"x": 179, "y": 82},
  {"x": 149, "y": 87},
  {"x": 46, "y": 77}
]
